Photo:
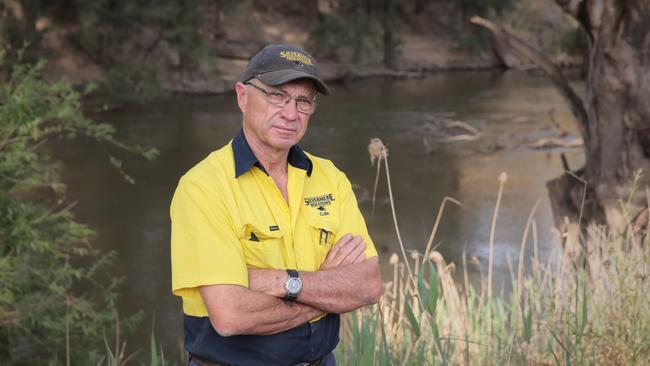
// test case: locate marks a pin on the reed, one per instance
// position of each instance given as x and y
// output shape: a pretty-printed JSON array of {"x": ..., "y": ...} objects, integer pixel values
[{"x": 587, "y": 304}]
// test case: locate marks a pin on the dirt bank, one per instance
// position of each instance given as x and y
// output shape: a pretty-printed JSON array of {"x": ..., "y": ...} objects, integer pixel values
[{"x": 436, "y": 38}]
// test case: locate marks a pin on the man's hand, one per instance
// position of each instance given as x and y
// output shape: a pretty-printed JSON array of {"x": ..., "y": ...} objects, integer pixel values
[
  {"x": 348, "y": 250},
  {"x": 344, "y": 282}
]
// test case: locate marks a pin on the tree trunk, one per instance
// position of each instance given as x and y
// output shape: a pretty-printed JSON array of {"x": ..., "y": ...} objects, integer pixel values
[
  {"x": 614, "y": 117},
  {"x": 390, "y": 26},
  {"x": 617, "y": 101}
]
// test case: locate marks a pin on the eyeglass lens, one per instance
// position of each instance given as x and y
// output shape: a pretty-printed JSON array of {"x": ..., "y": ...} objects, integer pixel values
[{"x": 280, "y": 99}]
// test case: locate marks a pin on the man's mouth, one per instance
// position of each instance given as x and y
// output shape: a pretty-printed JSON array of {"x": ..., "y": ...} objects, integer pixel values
[{"x": 285, "y": 129}]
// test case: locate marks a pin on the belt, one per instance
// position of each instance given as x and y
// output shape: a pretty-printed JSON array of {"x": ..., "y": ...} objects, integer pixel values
[{"x": 202, "y": 362}]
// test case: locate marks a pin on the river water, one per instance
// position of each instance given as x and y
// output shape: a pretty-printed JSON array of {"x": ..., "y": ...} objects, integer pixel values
[{"x": 510, "y": 109}]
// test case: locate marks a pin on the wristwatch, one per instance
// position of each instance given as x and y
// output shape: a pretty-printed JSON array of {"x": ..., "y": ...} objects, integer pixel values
[{"x": 293, "y": 285}]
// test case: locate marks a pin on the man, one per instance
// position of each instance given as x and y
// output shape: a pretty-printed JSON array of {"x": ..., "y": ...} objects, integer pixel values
[{"x": 268, "y": 244}]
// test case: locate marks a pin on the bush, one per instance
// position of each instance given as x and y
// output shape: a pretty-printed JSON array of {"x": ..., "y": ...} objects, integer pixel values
[
  {"x": 351, "y": 38},
  {"x": 121, "y": 37},
  {"x": 56, "y": 300}
]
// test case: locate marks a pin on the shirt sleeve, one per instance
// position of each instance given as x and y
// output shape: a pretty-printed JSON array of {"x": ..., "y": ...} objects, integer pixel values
[
  {"x": 351, "y": 219},
  {"x": 205, "y": 249}
]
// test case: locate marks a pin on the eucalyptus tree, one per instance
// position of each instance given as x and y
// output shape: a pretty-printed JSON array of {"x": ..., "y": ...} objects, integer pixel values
[{"x": 613, "y": 117}]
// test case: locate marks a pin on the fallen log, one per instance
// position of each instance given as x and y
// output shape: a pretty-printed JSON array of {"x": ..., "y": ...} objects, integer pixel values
[{"x": 551, "y": 142}]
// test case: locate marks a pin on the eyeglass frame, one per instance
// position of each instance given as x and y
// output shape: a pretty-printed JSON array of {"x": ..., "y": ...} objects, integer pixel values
[{"x": 287, "y": 98}]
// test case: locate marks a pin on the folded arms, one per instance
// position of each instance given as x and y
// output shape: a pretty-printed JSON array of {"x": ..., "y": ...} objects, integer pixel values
[{"x": 347, "y": 280}]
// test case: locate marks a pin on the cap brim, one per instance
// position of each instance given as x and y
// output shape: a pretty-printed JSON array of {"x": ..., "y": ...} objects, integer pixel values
[{"x": 275, "y": 78}]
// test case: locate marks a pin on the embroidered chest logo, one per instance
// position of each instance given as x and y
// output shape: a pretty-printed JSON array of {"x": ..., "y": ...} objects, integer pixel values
[{"x": 320, "y": 203}]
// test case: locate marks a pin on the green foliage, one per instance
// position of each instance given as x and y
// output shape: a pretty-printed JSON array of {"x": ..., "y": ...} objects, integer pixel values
[
  {"x": 56, "y": 298},
  {"x": 350, "y": 35},
  {"x": 476, "y": 41},
  {"x": 18, "y": 33},
  {"x": 117, "y": 357},
  {"x": 572, "y": 40},
  {"x": 366, "y": 31},
  {"x": 105, "y": 25},
  {"x": 471, "y": 38},
  {"x": 126, "y": 82},
  {"x": 564, "y": 36},
  {"x": 364, "y": 341},
  {"x": 119, "y": 36},
  {"x": 114, "y": 32},
  {"x": 482, "y": 7}
]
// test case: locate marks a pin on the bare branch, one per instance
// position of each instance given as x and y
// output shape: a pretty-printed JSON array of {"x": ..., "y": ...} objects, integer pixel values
[{"x": 520, "y": 48}]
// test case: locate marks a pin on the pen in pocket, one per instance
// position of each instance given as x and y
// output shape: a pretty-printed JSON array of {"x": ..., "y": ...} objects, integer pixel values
[{"x": 324, "y": 233}]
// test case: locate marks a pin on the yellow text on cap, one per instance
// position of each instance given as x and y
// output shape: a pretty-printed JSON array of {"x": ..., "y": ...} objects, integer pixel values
[{"x": 295, "y": 56}]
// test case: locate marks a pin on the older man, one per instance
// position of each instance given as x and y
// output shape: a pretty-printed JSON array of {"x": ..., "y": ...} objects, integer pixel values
[{"x": 268, "y": 243}]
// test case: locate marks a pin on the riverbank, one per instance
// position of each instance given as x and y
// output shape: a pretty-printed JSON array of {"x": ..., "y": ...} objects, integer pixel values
[{"x": 435, "y": 38}]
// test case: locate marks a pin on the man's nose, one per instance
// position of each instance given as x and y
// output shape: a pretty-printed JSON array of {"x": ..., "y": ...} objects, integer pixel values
[{"x": 290, "y": 110}]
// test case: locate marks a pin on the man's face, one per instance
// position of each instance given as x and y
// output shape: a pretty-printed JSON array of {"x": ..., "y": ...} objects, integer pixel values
[{"x": 272, "y": 126}]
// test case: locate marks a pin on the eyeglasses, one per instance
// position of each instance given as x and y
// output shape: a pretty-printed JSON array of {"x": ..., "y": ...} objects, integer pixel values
[{"x": 280, "y": 99}]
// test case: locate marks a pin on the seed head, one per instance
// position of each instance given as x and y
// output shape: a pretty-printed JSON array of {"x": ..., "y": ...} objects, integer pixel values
[
  {"x": 377, "y": 150},
  {"x": 436, "y": 257}
]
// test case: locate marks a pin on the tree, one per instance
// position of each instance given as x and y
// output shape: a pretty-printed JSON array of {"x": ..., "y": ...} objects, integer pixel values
[
  {"x": 352, "y": 32},
  {"x": 56, "y": 302},
  {"x": 613, "y": 117},
  {"x": 121, "y": 37},
  {"x": 391, "y": 13}
]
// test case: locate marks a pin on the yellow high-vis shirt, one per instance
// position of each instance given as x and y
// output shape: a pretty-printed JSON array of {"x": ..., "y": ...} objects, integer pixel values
[{"x": 228, "y": 214}]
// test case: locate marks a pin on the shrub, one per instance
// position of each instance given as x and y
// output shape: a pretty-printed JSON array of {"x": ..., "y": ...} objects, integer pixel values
[{"x": 56, "y": 299}]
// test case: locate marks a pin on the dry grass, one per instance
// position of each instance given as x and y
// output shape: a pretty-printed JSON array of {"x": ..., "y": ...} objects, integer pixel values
[{"x": 588, "y": 304}]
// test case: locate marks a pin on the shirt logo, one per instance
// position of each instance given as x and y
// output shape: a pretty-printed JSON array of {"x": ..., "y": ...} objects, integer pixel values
[{"x": 320, "y": 203}]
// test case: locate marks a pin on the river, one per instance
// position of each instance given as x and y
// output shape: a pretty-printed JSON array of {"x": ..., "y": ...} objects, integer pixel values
[{"x": 510, "y": 109}]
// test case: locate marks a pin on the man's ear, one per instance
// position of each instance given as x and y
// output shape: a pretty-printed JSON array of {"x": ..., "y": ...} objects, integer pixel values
[{"x": 242, "y": 96}]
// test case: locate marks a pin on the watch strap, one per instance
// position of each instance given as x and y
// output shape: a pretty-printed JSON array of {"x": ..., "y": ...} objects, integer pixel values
[{"x": 293, "y": 273}]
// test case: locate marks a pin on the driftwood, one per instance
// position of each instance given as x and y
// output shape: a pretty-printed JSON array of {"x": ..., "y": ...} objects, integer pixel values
[
  {"x": 462, "y": 137},
  {"x": 448, "y": 130},
  {"x": 551, "y": 142},
  {"x": 471, "y": 135}
]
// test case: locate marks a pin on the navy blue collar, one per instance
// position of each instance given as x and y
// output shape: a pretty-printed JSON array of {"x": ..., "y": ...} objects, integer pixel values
[{"x": 245, "y": 159}]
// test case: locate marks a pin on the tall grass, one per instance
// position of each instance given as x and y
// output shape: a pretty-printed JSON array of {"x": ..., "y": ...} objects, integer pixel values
[
  {"x": 117, "y": 357},
  {"x": 587, "y": 304}
]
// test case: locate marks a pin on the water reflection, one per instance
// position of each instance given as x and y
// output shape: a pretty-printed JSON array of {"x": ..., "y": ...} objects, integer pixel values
[{"x": 510, "y": 109}]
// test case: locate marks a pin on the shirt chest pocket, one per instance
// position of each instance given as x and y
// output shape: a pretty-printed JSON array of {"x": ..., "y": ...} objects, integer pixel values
[
  {"x": 323, "y": 233},
  {"x": 263, "y": 247}
]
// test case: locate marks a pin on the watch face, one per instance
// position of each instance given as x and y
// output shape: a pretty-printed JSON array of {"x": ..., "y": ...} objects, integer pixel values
[{"x": 294, "y": 285}]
